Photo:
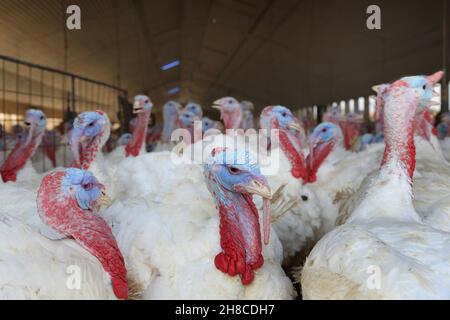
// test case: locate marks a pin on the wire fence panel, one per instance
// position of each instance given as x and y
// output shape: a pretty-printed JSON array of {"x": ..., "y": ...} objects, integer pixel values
[{"x": 61, "y": 96}]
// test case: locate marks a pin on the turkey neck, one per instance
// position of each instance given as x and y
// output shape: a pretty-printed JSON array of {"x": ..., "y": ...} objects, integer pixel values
[
  {"x": 399, "y": 131},
  {"x": 350, "y": 132},
  {"x": 88, "y": 151},
  {"x": 134, "y": 146},
  {"x": 316, "y": 157},
  {"x": 19, "y": 156},
  {"x": 170, "y": 123},
  {"x": 390, "y": 193},
  {"x": 232, "y": 120},
  {"x": 240, "y": 235},
  {"x": 291, "y": 148}
]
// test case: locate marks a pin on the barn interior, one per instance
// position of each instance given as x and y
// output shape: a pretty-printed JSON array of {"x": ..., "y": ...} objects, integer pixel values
[
  {"x": 303, "y": 54},
  {"x": 317, "y": 63}
]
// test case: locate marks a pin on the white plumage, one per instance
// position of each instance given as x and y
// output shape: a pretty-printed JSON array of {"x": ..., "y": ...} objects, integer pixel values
[
  {"x": 34, "y": 267},
  {"x": 169, "y": 233},
  {"x": 381, "y": 236},
  {"x": 384, "y": 250}
]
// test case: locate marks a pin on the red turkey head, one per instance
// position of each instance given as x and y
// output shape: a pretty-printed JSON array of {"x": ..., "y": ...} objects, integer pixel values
[
  {"x": 232, "y": 177},
  {"x": 281, "y": 118},
  {"x": 142, "y": 107},
  {"x": 68, "y": 201},
  {"x": 321, "y": 142}
]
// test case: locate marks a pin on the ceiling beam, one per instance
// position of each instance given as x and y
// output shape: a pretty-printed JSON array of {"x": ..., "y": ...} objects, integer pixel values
[
  {"x": 140, "y": 12},
  {"x": 182, "y": 48},
  {"x": 265, "y": 40},
  {"x": 244, "y": 39},
  {"x": 202, "y": 47}
]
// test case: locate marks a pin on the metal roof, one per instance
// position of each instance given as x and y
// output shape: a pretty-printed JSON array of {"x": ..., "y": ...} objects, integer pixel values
[{"x": 292, "y": 52}]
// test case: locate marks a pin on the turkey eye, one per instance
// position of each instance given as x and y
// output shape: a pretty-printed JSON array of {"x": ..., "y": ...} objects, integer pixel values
[
  {"x": 146, "y": 101},
  {"x": 305, "y": 198},
  {"x": 284, "y": 114},
  {"x": 91, "y": 124},
  {"x": 233, "y": 170},
  {"x": 87, "y": 186},
  {"x": 324, "y": 130},
  {"x": 42, "y": 118},
  {"x": 230, "y": 101},
  {"x": 424, "y": 87}
]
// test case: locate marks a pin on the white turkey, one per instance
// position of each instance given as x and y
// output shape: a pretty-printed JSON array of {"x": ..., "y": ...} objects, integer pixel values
[
  {"x": 384, "y": 233},
  {"x": 431, "y": 167},
  {"x": 89, "y": 266},
  {"x": 91, "y": 130},
  {"x": 171, "y": 111},
  {"x": 172, "y": 233},
  {"x": 301, "y": 221},
  {"x": 142, "y": 107}
]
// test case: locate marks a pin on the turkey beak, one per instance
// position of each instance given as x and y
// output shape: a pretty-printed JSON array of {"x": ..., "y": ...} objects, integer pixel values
[
  {"x": 217, "y": 105},
  {"x": 137, "y": 108},
  {"x": 295, "y": 126},
  {"x": 104, "y": 200},
  {"x": 376, "y": 88},
  {"x": 259, "y": 186},
  {"x": 32, "y": 129},
  {"x": 314, "y": 141}
]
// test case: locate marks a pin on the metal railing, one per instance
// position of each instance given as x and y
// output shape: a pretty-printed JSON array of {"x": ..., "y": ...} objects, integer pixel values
[{"x": 60, "y": 95}]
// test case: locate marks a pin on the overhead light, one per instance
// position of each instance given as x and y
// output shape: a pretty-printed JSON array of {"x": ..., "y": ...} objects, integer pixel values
[
  {"x": 170, "y": 65},
  {"x": 173, "y": 90}
]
